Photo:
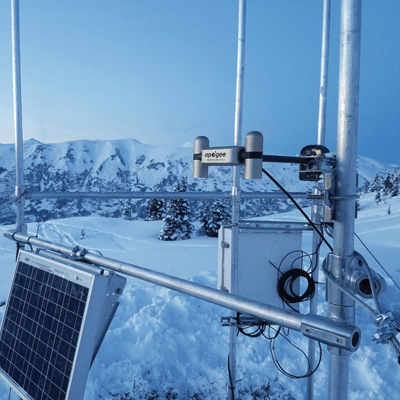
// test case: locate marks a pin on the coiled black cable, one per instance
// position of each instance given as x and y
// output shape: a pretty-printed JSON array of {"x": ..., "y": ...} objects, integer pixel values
[{"x": 286, "y": 286}]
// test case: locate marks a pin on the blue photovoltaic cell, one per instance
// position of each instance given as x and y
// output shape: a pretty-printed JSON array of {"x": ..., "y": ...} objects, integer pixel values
[{"x": 40, "y": 331}]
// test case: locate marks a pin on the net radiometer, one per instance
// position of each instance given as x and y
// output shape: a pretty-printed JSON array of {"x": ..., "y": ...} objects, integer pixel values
[
  {"x": 56, "y": 317},
  {"x": 251, "y": 156},
  {"x": 312, "y": 160}
]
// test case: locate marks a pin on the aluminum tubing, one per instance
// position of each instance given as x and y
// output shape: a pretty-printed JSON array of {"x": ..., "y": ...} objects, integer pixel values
[
  {"x": 346, "y": 169},
  {"x": 323, "y": 95},
  {"x": 325, "y": 330},
  {"x": 19, "y": 140},
  {"x": 347, "y": 133},
  {"x": 331, "y": 331},
  {"x": 316, "y": 218},
  {"x": 17, "y": 94},
  {"x": 128, "y": 195},
  {"x": 160, "y": 195}
]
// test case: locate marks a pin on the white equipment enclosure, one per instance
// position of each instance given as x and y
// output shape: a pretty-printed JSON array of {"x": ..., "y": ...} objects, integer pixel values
[
  {"x": 57, "y": 314},
  {"x": 266, "y": 251}
]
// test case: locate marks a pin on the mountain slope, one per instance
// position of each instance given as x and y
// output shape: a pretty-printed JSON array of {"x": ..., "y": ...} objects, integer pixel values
[{"x": 130, "y": 166}]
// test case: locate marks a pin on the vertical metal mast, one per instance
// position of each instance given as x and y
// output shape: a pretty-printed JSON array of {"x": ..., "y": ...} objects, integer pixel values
[
  {"x": 236, "y": 190},
  {"x": 340, "y": 306},
  {"x": 324, "y": 71},
  {"x": 317, "y": 208},
  {"x": 19, "y": 155}
]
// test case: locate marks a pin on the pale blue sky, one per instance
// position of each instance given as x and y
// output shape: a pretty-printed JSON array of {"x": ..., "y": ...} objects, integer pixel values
[{"x": 164, "y": 72}]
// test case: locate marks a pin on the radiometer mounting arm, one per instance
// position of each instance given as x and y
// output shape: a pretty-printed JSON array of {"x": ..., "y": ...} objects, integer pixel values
[{"x": 312, "y": 158}]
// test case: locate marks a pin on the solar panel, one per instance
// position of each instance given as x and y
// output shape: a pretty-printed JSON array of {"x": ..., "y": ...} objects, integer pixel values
[{"x": 56, "y": 317}]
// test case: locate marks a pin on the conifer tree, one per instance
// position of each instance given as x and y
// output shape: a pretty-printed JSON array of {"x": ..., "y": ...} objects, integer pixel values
[
  {"x": 395, "y": 184},
  {"x": 203, "y": 215},
  {"x": 127, "y": 211},
  {"x": 155, "y": 210},
  {"x": 387, "y": 184},
  {"x": 395, "y": 191},
  {"x": 219, "y": 216},
  {"x": 375, "y": 185},
  {"x": 177, "y": 225}
]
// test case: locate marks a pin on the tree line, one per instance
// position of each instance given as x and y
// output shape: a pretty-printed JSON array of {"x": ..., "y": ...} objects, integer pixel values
[
  {"x": 387, "y": 186},
  {"x": 178, "y": 217}
]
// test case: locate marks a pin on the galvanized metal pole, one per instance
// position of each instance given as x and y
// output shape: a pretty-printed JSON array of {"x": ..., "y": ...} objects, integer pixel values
[
  {"x": 236, "y": 191},
  {"x": 316, "y": 214},
  {"x": 240, "y": 73},
  {"x": 323, "y": 91},
  {"x": 19, "y": 155},
  {"x": 20, "y": 225},
  {"x": 340, "y": 306},
  {"x": 317, "y": 208}
]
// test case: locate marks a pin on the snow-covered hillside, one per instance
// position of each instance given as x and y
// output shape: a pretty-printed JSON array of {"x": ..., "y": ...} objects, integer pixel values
[
  {"x": 165, "y": 345},
  {"x": 127, "y": 165}
]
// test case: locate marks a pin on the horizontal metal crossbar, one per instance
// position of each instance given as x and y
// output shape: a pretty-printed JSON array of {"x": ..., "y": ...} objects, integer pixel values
[
  {"x": 328, "y": 331},
  {"x": 159, "y": 195}
]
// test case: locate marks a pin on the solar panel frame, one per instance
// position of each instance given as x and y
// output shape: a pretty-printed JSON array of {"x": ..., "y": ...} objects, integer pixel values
[{"x": 49, "y": 327}]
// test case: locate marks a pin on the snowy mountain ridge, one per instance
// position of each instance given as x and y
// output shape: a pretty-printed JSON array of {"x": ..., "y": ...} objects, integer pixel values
[{"x": 130, "y": 166}]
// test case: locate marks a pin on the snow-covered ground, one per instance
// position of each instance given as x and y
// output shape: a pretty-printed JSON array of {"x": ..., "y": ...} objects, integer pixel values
[{"x": 162, "y": 344}]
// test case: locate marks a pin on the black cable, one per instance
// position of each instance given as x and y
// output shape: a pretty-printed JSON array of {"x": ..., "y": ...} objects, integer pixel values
[
  {"x": 298, "y": 207},
  {"x": 369, "y": 251},
  {"x": 271, "y": 337},
  {"x": 12, "y": 200},
  {"x": 6, "y": 200},
  {"x": 286, "y": 286},
  {"x": 286, "y": 280},
  {"x": 18, "y": 246},
  {"x": 261, "y": 326},
  {"x": 27, "y": 241},
  {"x": 283, "y": 371},
  {"x": 257, "y": 333},
  {"x": 258, "y": 328},
  {"x": 283, "y": 302},
  {"x": 231, "y": 388},
  {"x": 316, "y": 253}
]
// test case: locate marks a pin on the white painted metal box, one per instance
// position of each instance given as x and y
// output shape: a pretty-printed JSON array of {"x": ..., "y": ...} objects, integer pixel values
[{"x": 265, "y": 251}]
